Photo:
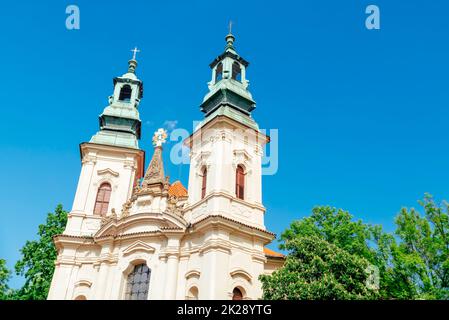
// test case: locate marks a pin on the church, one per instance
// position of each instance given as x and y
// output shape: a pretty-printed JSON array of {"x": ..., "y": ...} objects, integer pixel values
[{"x": 134, "y": 235}]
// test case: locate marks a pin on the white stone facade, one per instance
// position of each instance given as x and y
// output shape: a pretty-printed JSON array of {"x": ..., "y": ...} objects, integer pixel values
[{"x": 194, "y": 243}]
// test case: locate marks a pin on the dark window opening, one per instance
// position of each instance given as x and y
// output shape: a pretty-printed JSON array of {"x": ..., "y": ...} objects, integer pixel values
[
  {"x": 237, "y": 294},
  {"x": 219, "y": 72},
  {"x": 125, "y": 93},
  {"x": 138, "y": 283},
  {"x": 204, "y": 183},
  {"x": 236, "y": 71},
  {"x": 240, "y": 182}
]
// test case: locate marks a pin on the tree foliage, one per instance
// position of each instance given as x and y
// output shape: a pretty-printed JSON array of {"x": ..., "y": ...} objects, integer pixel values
[
  {"x": 317, "y": 269},
  {"x": 413, "y": 263},
  {"x": 349, "y": 241},
  {"x": 5, "y": 274},
  {"x": 421, "y": 256},
  {"x": 38, "y": 258},
  {"x": 338, "y": 228}
]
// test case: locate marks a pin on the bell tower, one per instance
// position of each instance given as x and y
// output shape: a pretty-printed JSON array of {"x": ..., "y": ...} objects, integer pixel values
[
  {"x": 120, "y": 123},
  {"x": 226, "y": 147},
  {"x": 111, "y": 161}
]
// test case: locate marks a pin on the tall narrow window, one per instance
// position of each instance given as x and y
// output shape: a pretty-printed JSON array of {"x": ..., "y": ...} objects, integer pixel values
[
  {"x": 102, "y": 201},
  {"x": 204, "y": 183},
  {"x": 125, "y": 93},
  {"x": 236, "y": 71},
  {"x": 240, "y": 182},
  {"x": 219, "y": 72},
  {"x": 138, "y": 283}
]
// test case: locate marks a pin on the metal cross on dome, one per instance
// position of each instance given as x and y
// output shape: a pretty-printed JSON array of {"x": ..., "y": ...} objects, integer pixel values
[
  {"x": 135, "y": 51},
  {"x": 160, "y": 137}
]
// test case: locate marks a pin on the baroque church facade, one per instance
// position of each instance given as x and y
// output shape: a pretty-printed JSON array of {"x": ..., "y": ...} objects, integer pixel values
[{"x": 132, "y": 234}]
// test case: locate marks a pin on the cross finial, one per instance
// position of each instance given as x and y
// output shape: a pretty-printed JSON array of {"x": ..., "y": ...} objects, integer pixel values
[
  {"x": 135, "y": 51},
  {"x": 160, "y": 137},
  {"x": 230, "y": 26}
]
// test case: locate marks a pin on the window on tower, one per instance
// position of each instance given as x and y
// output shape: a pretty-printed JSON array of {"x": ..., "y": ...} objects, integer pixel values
[
  {"x": 138, "y": 283},
  {"x": 237, "y": 294},
  {"x": 204, "y": 183},
  {"x": 192, "y": 294},
  {"x": 240, "y": 182},
  {"x": 102, "y": 201},
  {"x": 125, "y": 93},
  {"x": 236, "y": 71},
  {"x": 219, "y": 72}
]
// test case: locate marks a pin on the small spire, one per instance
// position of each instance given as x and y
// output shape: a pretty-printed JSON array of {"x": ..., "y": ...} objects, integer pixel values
[
  {"x": 155, "y": 172},
  {"x": 230, "y": 38},
  {"x": 132, "y": 64}
]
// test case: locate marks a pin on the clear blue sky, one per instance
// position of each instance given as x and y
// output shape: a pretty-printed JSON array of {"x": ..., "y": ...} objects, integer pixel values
[{"x": 362, "y": 115}]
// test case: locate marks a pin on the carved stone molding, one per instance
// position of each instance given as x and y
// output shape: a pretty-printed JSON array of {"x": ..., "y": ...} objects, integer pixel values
[
  {"x": 107, "y": 171},
  {"x": 83, "y": 283},
  {"x": 129, "y": 164},
  {"x": 241, "y": 273},
  {"x": 89, "y": 160},
  {"x": 193, "y": 274},
  {"x": 138, "y": 246}
]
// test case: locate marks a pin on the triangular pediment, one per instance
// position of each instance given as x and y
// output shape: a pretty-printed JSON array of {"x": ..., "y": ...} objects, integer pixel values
[
  {"x": 107, "y": 171},
  {"x": 138, "y": 246}
]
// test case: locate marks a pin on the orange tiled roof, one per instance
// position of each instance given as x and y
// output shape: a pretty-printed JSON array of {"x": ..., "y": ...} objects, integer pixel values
[
  {"x": 177, "y": 189},
  {"x": 272, "y": 253}
]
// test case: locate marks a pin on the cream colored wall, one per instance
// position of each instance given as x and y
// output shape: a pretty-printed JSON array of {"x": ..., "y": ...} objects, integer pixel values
[
  {"x": 220, "y": 148},
  {"x": 100, "y": 272},
  {"x": 215, "y": 260},
  {"x": 100, "y": 165}
]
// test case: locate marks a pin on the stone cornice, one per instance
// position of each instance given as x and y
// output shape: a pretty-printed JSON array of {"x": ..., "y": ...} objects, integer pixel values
[
  {"x": 176, "y": 223},
  {"x": 214, "y": 220},
  {"x": 226, "y": 195},
  {"x": 223, "y": 118},
  {"x": 215, "y": 245},
  {"x": 140, "y": 154}
]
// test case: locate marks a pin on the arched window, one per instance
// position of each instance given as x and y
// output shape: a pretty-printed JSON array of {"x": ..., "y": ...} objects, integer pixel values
[
  {"x": 237, "y": 294},
  {"x": 193, "y": 294},
  {"x": 240, "y": 182},
  {"x": 102, "y": 201},
  {"x": 236, "y": 71},
  {"x": 125, "y": 93},
  {"x": 81, "y": 297},
  {"x": 138, "y": 283},
  {"x": 219, "y": 72},
  {"x": 204, "y": 183}
]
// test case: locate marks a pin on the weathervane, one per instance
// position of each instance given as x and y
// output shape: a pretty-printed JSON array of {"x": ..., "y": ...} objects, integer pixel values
[
  {"x": 135, "y": 51},
  {"x": 160, "y": 137}
]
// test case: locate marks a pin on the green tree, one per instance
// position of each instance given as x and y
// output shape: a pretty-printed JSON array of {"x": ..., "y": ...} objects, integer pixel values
[
  {"x": 332, "y": 230},
  {"x": 5, "y": 274},
  {"x": 38, "y": 257},
  {"x": 317, "y": 269},
  {"x": 337, "y": 227},
  {"x": 421, "y": 256}
]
